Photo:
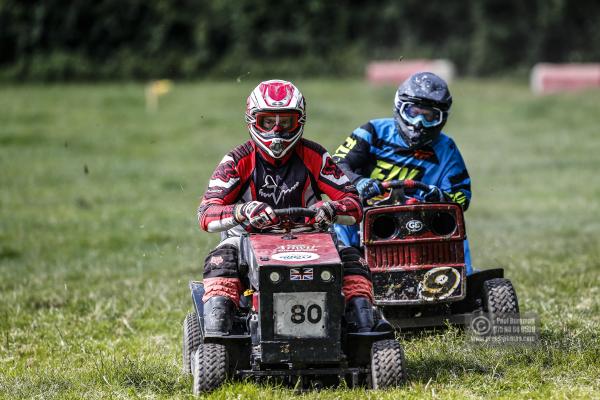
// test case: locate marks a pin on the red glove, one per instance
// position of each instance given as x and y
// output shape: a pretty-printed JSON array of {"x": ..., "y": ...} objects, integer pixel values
[{"x": 258, "y": 214}]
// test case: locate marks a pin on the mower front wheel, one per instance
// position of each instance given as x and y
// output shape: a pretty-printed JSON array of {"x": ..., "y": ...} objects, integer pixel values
[
  {"x": 388, "y": 365},
  {"x": 499, "y": 297},
  {"x": 210, "y": 367}
]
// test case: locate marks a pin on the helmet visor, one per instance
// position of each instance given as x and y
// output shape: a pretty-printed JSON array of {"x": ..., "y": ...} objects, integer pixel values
[
  {"x": 277, "y": 124},
  {"x": 427, "y": 115}
]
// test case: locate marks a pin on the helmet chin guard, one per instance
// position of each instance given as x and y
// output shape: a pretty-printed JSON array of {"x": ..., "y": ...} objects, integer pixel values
[
  {"x": 275, "y": 115},
  {"x": 276, "y": 148}
]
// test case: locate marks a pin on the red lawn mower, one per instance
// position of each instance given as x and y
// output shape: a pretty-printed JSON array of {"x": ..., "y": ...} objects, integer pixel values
[
  {"x": 290, "y": 323},
  {"x": 416, "y": 256}
]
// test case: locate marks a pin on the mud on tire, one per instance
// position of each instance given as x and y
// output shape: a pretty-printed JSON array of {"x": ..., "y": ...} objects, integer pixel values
[
  {"x": 191, "y": 340},
  {"x": 210, "y": 367},
  {"x": 499, "y": 297},
  {"x": 388, "y": 367}
]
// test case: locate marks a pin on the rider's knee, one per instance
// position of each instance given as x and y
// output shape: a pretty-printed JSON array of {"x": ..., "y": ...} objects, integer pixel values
[
  {"x": 354, "y": 263},
  {"x": 222, "y": 262}
]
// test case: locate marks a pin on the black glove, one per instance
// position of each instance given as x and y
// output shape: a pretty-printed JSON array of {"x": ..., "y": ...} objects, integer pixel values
[
  {"x": 368, "y": 188},
  {"x": 435, "y": 195},
  {"x": 326, "y": 214}
]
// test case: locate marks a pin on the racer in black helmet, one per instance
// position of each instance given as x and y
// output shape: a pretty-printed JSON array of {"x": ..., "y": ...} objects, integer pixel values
[
  {"x": 421, "y": 108},
  {"x": 411, "y": 145}
]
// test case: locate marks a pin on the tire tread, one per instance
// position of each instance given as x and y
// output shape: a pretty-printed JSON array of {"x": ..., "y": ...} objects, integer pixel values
[
  {"x": 211, "y": 364},
  {"x": 192, "y": 338},
  {"x": 388, "y": 366},
  {"x": 500, "y": 296}
]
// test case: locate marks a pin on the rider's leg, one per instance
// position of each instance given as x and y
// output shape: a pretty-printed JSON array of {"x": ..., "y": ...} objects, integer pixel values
[
  {"x": 222, "y": 287},
  {"x": 468, "y": 264},
  {"x": 348, "y": 235},
  {"x": 358, "y": 290}
]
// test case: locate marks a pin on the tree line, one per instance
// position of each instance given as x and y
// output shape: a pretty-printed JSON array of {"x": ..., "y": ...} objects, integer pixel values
[{"x": 60, "y": 40}]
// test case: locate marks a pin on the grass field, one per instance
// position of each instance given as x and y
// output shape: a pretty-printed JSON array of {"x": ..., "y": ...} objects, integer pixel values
[{"x": 98, "y": 236}]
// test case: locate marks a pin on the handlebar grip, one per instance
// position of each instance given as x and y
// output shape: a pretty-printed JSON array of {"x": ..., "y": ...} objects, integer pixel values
[
  {"x": 295, "y": 212},
  {"x": 406, "y": 184}
]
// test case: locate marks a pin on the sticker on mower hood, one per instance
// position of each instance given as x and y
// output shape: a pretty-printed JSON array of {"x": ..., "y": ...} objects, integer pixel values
[
  {"x": 305, "y": 248},
  {"x": 439, "y": 283},
  {"x": 295, "y": 256},
  {"x": 296, "y": 247},
  {"x": 414, "y": 225}
]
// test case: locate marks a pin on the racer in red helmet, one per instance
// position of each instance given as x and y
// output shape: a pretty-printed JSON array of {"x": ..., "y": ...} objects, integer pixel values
[
  {"x": 275, "y": 114},
  {"x": 277, "y": 168}
]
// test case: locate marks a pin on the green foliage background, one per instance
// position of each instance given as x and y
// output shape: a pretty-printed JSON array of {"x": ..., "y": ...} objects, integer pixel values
[{"x": 140, "y": 39}]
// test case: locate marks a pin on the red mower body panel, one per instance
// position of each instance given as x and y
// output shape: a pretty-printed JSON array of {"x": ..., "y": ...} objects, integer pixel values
[
  {"x": 416, "y": 252},
  {"x": 301, "y": 249}
]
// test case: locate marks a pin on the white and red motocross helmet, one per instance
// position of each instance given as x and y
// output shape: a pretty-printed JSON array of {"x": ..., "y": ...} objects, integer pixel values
[{"x": 275, "y": 114}]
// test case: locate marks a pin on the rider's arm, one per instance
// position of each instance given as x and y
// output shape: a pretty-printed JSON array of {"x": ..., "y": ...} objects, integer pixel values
[
  {"x": 332, "y": 181},
  {"x": 354, "y": 155},
  {"x": 216, "y": 211},
  {"x": 455, "y": 181}
]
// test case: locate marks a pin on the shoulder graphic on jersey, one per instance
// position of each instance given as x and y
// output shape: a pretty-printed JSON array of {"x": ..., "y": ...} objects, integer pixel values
[
  {"x": 331, "y": 168},
  {"x": 225, "y": 176},
  {"x": 331, "y": 172}
]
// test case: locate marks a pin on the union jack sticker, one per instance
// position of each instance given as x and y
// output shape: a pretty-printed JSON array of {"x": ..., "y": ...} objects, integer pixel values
[{"x": 301, "y": 274}]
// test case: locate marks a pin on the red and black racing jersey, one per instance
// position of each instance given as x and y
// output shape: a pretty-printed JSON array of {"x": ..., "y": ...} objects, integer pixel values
[{"x": 298, "y": 180}]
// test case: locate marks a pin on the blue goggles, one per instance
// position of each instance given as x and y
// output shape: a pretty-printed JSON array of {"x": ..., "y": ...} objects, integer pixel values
[{"x": 426, "y": 115}]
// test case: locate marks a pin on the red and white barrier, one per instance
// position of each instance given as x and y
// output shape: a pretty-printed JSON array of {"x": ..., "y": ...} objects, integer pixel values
[
  {"x": 552, "y": 78},
  {"x": 396, "y": 72}
]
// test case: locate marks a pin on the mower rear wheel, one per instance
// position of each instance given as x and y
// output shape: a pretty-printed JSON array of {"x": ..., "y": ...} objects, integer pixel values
[
  {"x": 191, "y": 340},
  {"x": 388, "y": 365},
  {"x": 499, "y": 297},
  {"x": 210, "y": 367}
]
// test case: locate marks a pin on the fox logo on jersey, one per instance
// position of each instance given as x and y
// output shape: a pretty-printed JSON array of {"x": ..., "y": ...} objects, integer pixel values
[{"x": 276, "y": 190}]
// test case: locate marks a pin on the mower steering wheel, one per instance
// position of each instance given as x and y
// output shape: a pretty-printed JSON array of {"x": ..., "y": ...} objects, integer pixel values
[
  {"x": 287, "y": 216},
  {"x": 405, "y": 184},
  {"x": 398, "y": 188}
]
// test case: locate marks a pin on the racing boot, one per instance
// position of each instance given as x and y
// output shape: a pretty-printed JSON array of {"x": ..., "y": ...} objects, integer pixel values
[
  {"x": 359, "y": 315},
  {"x": 218, "y": 315}
]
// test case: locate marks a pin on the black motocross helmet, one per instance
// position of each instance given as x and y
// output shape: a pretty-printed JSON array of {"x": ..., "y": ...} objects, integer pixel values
[{"x": 421, "y": 108}]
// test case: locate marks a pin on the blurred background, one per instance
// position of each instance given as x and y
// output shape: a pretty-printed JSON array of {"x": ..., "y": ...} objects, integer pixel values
[
  {"x": 114, "y": 113},
  {"x": 146, "y": 39}
]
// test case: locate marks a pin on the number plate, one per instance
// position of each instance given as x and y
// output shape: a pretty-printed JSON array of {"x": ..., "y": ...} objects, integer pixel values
[{"x": 300, "y": 314}]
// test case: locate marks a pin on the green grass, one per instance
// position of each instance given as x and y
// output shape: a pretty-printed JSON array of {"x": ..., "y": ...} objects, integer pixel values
[{"x": 94, "y": 266}]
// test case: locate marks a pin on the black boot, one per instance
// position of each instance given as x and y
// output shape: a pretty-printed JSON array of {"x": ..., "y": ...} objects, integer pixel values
[
  {"x": 359, "y": 314},
  {"x": 218, "y": 315}
]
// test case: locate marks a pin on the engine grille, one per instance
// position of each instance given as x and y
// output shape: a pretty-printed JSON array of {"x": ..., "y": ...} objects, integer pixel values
[{"x": 415, "y": 255}]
